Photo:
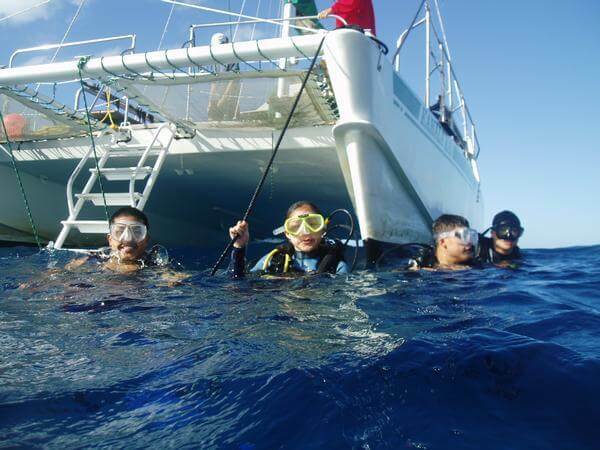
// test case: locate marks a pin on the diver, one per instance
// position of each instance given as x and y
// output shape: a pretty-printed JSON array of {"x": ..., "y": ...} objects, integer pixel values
[
  {"x": 127, "y": 249},
  {"x": 306, "y": 249},
  {"x": 502, "y": 248},
  {"x": 355, "y": 12},
  {"x": 127, "y": 253},
  {"x": 455, "y": 245}
]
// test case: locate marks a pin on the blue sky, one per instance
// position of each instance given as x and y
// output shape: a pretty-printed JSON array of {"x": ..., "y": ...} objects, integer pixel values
[{"x": 529, "y": 69}]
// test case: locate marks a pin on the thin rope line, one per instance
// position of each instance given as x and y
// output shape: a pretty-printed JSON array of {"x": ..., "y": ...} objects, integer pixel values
[
  {"x": 23, "y": 11},
  {"x": 164, "y": 32},
  {"x": 73, "y": 20},
  {"x": 237, "y": 26},
  {"x": 242, "y": 59}
]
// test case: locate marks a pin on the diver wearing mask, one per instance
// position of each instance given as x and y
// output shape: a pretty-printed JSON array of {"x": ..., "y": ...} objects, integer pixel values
[
  {"x": 502, "y": 248},
  {"x": 127, "y": 249},
  {"x": 306, "y": 249},
  {"x": 455, "y": 245}
]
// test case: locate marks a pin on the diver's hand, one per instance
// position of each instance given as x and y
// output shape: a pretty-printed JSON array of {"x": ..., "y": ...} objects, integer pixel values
[
  {"x": 76, "y": 263},
  {"x": 242, "y": 232},
  {"x": 325, "y": 13}
]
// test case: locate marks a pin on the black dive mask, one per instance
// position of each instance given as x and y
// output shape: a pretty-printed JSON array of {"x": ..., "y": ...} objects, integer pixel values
[{"x": 508, "y": 232}]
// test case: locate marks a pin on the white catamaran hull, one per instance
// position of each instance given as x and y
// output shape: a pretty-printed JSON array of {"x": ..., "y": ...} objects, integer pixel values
[
  {"x": 401, "y": 168},
  {"x": 386, "y": 158}
]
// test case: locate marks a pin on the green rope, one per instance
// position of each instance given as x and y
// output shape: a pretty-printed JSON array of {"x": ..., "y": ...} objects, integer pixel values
[
  {"x": 82, "y": 62},
  {"x": 23, "y": 194}
]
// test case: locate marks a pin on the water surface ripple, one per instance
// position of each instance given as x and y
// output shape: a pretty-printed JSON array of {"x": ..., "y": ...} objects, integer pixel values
[{"x": 495, "y": 358}]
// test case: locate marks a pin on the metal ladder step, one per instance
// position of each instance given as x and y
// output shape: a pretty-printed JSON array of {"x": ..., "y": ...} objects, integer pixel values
[
  {"x": 132, "y": 153},
  {"x": 123, "y": 173},
  {"x": 112, "y": 198},
  {"x": 133, "y": 147},
  {"x": 88, "y": 226}
]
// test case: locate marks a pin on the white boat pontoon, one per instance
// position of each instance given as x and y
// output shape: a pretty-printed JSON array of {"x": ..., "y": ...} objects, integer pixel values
[{"x": 185, "y": 133}]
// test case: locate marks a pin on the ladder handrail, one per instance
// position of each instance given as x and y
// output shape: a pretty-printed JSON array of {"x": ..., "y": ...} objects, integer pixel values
[
  {"x": 90, "y": 183},
  {"x": 72, "y": 178},
  {"x": 144, "y": 156}
]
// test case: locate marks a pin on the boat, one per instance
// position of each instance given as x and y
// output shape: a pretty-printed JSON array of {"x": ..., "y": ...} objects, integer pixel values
[{"x": 185, "y": 133}]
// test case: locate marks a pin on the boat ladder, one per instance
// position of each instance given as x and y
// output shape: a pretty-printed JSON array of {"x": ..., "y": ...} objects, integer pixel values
[{"x": 142, "y": 171}]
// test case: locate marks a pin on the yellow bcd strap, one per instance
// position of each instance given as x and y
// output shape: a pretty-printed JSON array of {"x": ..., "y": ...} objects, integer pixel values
[
  {"x": 286, "y": 262},
  {"x": 269, "y": 258}
]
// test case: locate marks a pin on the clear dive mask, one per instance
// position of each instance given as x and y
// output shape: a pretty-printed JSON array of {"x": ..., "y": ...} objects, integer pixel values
[
  {"x": 124, "y": 231},
  {"x": 304, "y": 224},
  {"x": 467, "y": 236}
]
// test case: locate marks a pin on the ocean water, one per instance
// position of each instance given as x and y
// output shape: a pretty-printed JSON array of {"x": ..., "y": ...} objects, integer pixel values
[{"x": 480, "y": 359}]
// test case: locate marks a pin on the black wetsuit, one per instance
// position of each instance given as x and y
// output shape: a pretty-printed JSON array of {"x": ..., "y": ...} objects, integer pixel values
[{"x": 487, "y": 254}]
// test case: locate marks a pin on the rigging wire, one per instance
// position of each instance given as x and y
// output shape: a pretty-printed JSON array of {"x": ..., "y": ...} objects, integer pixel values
[
  {"x": 230, "y": 27},
  {"x": 257, "y": 15},
  {"x": 64, "y": 38},
  {"x": 164, "y": 31},
  {"x": 23, "y": 11},
  {"x": 272, "y": 158},
  {"x": 237, "y": 25}
]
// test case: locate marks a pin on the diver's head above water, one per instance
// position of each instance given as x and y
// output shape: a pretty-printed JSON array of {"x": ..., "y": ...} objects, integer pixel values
[
  {"x": 128, "y": 237},
  {"x": 506, "y": 231},
  {"x": 304, "y": 226},
  {"x": 455, "y": 241}
]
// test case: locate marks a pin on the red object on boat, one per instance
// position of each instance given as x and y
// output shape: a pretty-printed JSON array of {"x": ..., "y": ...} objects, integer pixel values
[
  {"x": 15, "y": 125},
  {"x": 355, "y": 12}
]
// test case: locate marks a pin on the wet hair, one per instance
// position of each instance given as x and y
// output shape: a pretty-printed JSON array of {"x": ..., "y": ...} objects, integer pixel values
[
  {"x": 506, "y": 218},
  {"x": 130, "y": 211},
  {"x": 448, "y": 222},
  {"x": 294, "y": 206}
]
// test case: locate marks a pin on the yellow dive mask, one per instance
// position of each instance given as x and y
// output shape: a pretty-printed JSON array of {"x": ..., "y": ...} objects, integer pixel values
[{"x": 304, "y": 224}]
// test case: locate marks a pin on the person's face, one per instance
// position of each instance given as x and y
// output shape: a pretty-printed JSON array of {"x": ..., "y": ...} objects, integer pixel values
[
  {"x": 456, "y": 250},
  {"x": 305, "y": 242},
  {"x": 503, "y": 246},
  {"x": 125, "y": 245}
]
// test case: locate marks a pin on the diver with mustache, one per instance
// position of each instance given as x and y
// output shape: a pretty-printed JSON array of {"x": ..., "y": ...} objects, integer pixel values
[{"x": 127, "y": 249}]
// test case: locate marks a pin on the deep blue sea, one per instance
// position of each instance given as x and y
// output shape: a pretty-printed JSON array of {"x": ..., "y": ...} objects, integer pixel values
[{"x": 478, "y": 359}]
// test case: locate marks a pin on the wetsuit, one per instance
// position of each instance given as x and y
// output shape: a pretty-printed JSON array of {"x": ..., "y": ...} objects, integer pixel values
[
  {"x": 487, "y": 254},
  {"x": 299, "y": 262}
]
